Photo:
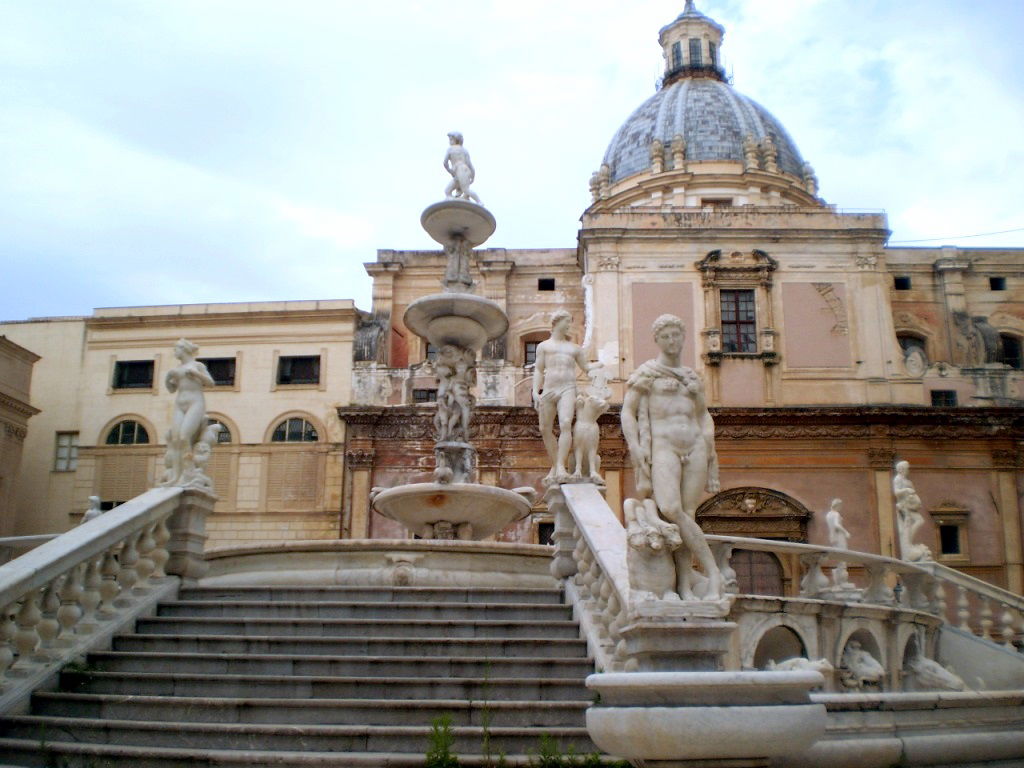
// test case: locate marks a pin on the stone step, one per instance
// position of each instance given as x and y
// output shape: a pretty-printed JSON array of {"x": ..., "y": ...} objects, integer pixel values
[
  {"x": 290, "y": 686},
  {"x": 247, "y": 736},
  {"x": 349, "y": 646},
  {"x": 348, "y": 666},
  {"x": 519, "y": 714},
  {"x": 355, "y": 627},
  {"x": 251, "y": 609},
  {"x": 69, "y": 754},
  {"x": 376, "y": 594}
]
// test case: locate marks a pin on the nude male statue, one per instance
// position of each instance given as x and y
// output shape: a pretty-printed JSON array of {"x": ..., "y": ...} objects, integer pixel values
[
  {"x": 555, "y": 373},
  {"x": 458, "y": 164},
  {"x": 671, "y": 438}
]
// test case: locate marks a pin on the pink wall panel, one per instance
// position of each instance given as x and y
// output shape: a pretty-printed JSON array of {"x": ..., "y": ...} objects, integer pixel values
[
  {"x": 813, "y": 326},
  {"x": 653, "y": 299}
]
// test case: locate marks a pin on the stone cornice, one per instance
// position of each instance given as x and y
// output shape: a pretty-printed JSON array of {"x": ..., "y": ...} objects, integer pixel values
[
  {"x": 18, "y": 351},
  {"x": 17, "y": 406},
  {"x": 134, "y": 322}
]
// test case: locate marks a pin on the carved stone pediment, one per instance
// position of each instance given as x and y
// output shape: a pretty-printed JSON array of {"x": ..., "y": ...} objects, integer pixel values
[
  {"x": 754, "y": 512},
  {"x": 719, "y": 267}
]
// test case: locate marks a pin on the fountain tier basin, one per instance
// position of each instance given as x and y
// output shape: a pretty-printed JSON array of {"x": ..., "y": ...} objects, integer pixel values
[
  {"x": 462, "y": 319},
  {"x": 486, "y": 508},
  {"x": 451, "y": 220}
]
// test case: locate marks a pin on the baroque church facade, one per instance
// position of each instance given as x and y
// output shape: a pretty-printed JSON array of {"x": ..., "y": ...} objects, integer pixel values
[{"x": 827, "y": 356}]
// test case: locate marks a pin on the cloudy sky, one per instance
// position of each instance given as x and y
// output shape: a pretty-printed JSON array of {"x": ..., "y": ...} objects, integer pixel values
[{"x": 175, "y": 151}]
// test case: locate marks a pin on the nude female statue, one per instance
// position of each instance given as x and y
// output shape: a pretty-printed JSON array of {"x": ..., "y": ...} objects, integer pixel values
[
  {"x": 186, "y": 381},
  {"x": 671, "y": 438}
]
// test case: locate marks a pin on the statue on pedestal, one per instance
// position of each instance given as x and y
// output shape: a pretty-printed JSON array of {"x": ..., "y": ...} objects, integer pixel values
[
  {"x": 190, "y": 439},
  {"x": 458, "y": 164},
  {"x": 671, "y": 439},
  {"x": 838, "y": 538},
  {"x": 554, "y": 392},
  {"x": 908, "y": 515}
]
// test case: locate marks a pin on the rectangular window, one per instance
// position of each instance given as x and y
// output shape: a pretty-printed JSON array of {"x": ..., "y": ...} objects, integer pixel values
[
  {"x": 545, "y": 533},
  {"x": 997, "y": 283},
  {"x": 944, "y": 398},
  {"x": 1011, "y": 348},
  {"x": 424, "y": 395},
  {"x": 546, "y": 284},
  {"x": 298, "y": 370},
  {"x": 106, "y": 506},
  {"x": 431, "y": 351},
  {"x": 695, "y": 58},
  {"x": 739, "y": 322},
  {"x": 222, "y": 370},
  {"x": 677, "y": 56},
  {"x": 530, "y": 352},
  {"x": 66, "y": 457},
  {"x": 949, "y": 539},
  {"x": 713, "y": 54},
  {"x": 716, "y": 202},
  {"x": 133, "y": 374},
  {"x": 901, "y": 283}
]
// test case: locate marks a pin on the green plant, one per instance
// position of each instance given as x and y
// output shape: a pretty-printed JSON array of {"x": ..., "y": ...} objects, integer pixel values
[
  {"x": 550, "y": 755},
  {"x": 439, "y": 753}
]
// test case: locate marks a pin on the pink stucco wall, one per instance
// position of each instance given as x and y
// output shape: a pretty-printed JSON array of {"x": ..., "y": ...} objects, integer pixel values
[
  {"x": 653, "y": 299},
  {"x": 742, "y": 382},
  {"x": 813, "y": 331}
]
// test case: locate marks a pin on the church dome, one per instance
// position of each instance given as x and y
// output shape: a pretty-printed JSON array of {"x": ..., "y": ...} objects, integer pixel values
[{"x": 712, "y": 118}]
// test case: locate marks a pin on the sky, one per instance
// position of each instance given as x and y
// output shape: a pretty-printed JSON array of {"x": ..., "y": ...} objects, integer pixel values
[{"x": 189, "y": 151}]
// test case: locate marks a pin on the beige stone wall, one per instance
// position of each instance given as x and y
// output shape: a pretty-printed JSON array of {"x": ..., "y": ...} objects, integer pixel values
[
  {"x": 15, "y": 410},
  {"x": 267, "y": 490}
]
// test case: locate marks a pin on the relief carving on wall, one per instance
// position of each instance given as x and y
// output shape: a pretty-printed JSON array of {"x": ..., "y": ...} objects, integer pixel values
[
  {"x": 836, "y": 306},
  {"x": 758, "y": 512}
]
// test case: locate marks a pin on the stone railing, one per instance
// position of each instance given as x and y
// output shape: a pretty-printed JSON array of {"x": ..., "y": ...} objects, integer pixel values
[
  {"x": 976, "y": 606},
  {"x": 12, "y": 546},
  {"x": 69, "y": 593}
]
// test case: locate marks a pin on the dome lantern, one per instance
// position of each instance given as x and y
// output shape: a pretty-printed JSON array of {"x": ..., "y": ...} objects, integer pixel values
[{"x": 691, "y": 46}]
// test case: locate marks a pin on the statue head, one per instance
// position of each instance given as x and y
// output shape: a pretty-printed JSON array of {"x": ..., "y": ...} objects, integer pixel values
[
  {"x": 454, "y": 137},
  {"x": 669, "y": 332},
  {"x": 561, "y": 316},
  {"x": 902, "y": 467},
  {"x": 184, "y": 347},
  {"x": 837, "y": 505},
  {"x": 94, "y": 502}
]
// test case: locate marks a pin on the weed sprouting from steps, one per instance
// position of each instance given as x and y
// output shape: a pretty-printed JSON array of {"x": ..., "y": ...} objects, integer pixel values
[
  {"x": 439, "y": 753},
  {"x": 550, "y": 755}
]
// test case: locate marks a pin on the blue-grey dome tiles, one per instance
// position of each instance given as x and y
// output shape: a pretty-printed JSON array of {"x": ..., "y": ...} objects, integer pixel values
[{"x": 712, "y": 117}]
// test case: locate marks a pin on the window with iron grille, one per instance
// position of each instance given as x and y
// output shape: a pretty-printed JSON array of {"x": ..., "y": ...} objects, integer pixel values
[
  {"x": 66, "y": 457},
  {"x": 222, "y": 370},
  {"x": 677, "y": 56},
  {"x": 944, "y": 398},
  {"x": 713, "y": 54},
  {"x": 127, "y": 432},
  {"x": 695, "y": 58},
  {"x": 298, "y": 370},
  {"x": 739, "y": 321},
  {"x": 294, "y": 430},
  {"x": 133, "y": 374},
  {"x": 424, "y": 395}
]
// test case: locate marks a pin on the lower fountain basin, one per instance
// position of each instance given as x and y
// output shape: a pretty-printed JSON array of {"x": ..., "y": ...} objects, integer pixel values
[
  {"x": 461, "y": 319},
  {"x": 485, "y": 508}
]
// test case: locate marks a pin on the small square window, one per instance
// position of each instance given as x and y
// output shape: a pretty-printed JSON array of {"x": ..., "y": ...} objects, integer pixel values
[
  {"x": 133, "y": 374},
  {"x": 66, "y": 456},
  {"x": 530, "y": 352},
  {"x": 299, "y": 370},
  {"x": 949, "y": 540},
  {"x": 901, "y": 283},
  {"x": 997, "y": 283},
  {"x": 944, "y": 398},
  {"x": 545, "y": 533},
  {"x": 424, "y": 395},
  {"x": 716, "y": 202},
  {"x": 222, "y": 370},
  {"x": 546, "y": 284}
]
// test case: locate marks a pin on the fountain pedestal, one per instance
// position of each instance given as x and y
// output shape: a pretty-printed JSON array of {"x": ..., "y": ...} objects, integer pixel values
[{"x": 458, "y": 324}]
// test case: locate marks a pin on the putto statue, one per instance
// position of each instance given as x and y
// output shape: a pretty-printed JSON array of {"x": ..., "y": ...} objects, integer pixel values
[
  {"x": 554, "y": 392},
  {"x": 190, "y": 439},
  {"x": 671, "y": 440},
  {"x": 93, "y": 511},
  {"x": 908, "y": 515},
  {"x": 458, "y": 164}
]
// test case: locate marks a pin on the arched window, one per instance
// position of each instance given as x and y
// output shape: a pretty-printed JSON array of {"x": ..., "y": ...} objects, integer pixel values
[
  {"x": 909, "y": 341},
  {"x": 1010, "y": 348},
  {"x": 224, "y": 436},
  {"x": 295, "y": 430},
  {"x": 127, "y": 432}
]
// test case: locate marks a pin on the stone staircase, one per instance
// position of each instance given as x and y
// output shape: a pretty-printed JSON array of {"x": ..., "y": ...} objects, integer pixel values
[{"x": 302, "y": 676}]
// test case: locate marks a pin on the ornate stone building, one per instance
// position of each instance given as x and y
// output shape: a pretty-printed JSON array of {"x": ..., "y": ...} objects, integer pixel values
[
  {"x": 826, "y": 354},
  {"x": 15, "y": 410}
]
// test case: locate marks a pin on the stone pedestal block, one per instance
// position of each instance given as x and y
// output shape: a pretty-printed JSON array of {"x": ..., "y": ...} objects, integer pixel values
[{"x": 188, "y": 536}]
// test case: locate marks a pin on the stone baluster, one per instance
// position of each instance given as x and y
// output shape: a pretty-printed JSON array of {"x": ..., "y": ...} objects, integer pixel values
[
  {"x": 26, "y": 639},
  {"x": 1006, "y": 627},
  {"x": 602, "y": 592},
  {"x": 70, "y": 611},
  {"x": 160, "y": 555},
  {"x": 920, "y": 590},
  {"x": 127, "y": 576},
  {"x": 963, "y": 609},
  {"x": 90, "y": 600},
  {"x": 722, "y": 551},
  {"x": 986, "y": 618},
  {"x": 109, "y": 588},
  {"x": 941, "y": 606},
  {"x": 145, "y": 565},
  {"x": 814, "y": 581},
  {"x": 48, "y": 626},
  {"x": 878, "y": 592},
  {"x": 8, "y": 629}
]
